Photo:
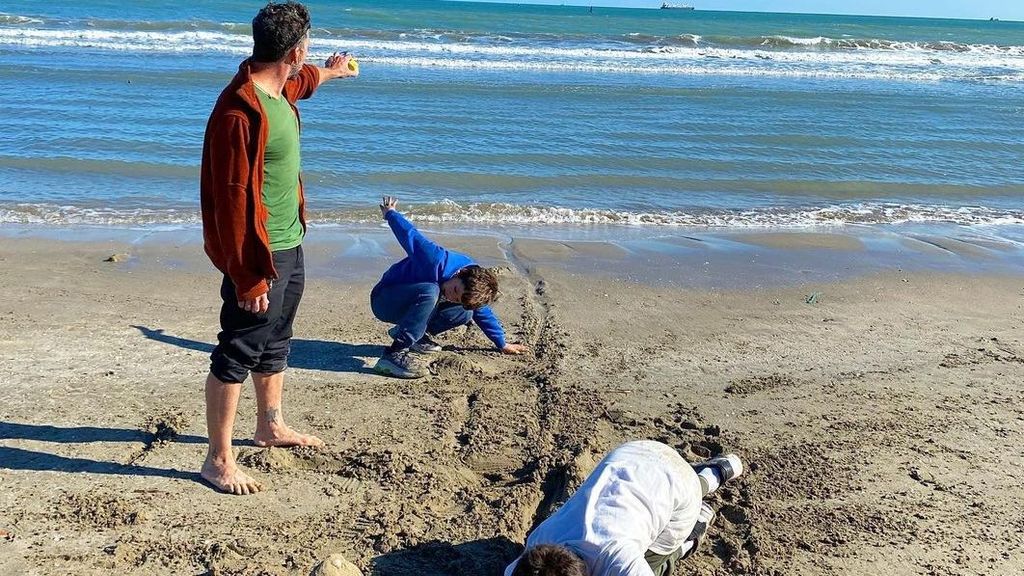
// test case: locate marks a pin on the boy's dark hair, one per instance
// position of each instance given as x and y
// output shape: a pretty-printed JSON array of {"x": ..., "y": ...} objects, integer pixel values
[
  {"x": 548, "y": 560},
  {"x": 481, "y": 287},
  {"x": 277, "y": 28}
]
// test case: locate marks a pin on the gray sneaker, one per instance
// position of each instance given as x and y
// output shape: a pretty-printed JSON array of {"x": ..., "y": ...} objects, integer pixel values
[
  {"x": 425, "y": 345},
  {"x": 401, "y": 364}
]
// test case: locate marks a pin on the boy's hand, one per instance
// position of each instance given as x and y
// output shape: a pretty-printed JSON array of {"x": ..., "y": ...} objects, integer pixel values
[
  {"x": 387, "y": 204},
  {"x": 515, "y": 349}
]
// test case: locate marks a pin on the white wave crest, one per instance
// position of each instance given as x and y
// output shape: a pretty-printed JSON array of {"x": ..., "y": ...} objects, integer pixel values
[
  {"x": 795, "y": 41},
  {"x": 16, "y": 19},
  {"x": 132, "y": 41},
  {"x": 51, "y": 214},
  {"x": 914, "y": 63},
  {"x": 839, "y": 215},
  {"x": 449, "y": 211}
]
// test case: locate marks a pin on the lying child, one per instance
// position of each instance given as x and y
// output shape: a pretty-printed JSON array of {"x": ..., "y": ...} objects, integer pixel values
[
  {"x": 430, "y": 291},
  {"x": 637, "y": 514}
]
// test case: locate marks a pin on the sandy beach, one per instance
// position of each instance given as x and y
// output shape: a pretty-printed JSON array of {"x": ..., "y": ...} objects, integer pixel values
[
  {"x": 796, "y": 237},
  {"x": 881, "y": 422}
]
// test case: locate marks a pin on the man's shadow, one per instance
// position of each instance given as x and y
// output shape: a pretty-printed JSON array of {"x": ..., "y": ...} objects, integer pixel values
[
  {"x": 18, "y": 459},
  {"x": 21, "y": 459},
  {"x": 81, "y": 434},
  {"x": 486, "y": 557},
  {"x": 307, "y": 354}
]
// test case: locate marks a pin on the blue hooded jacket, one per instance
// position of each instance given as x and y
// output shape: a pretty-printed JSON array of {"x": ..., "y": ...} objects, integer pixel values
[{"x": 428, "y": 262}]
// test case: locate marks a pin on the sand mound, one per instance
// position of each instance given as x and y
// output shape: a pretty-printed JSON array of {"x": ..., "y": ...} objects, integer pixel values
[
  {"x": 165, "y": 427},
  {"x": 269, "y": 459},
  {"x": 96, "y": 510},
  {"x": 452, "y": 366},
  {"x": 754, "y": 384},
  {"x": 336, "y": 565},
  {"x": 386, "y": 467}
]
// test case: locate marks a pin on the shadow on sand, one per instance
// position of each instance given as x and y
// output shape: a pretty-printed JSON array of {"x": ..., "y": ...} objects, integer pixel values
[
  {"x": 21, "y": 459},
  {"x": 80, "y": 434},
  {"x": 486, "y": 557},
  {"x": 306, "y": 354},
  {"x": 18, "y": 459}
]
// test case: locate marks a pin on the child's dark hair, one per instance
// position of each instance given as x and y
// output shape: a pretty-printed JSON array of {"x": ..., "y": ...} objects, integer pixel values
[
  {"x": 548, "y": 560},
  {"x": 277, "y": 28},
  {"x": 481, "y": 287}
]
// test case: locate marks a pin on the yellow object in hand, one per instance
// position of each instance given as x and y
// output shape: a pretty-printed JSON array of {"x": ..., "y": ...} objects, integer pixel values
[{"x": 353, "y": 65}]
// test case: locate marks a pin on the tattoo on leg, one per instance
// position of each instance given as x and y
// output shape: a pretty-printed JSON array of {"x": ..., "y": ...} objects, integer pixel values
[{"x": 272, "y": 414}]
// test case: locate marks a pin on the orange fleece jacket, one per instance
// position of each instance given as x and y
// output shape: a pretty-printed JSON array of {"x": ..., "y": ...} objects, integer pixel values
[{"x": 231, "y": 181}]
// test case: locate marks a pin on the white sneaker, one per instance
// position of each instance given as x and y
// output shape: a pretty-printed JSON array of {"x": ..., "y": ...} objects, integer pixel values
[{"x": 729, "y": 467}]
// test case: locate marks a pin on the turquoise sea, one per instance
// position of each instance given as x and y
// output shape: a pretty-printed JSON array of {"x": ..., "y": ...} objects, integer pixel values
[{"x": 549, "y": 116}]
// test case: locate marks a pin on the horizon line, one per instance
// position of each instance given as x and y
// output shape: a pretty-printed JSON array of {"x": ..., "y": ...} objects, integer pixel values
[{"x": 719, "y": 10}]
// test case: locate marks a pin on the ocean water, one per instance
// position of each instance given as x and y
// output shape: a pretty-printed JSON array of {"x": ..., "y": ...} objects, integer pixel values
[{"x": 549, "y": 116}]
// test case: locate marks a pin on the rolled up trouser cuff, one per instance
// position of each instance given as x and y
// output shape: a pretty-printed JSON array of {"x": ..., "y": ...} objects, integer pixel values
[
  {"x": 230, "y": 371},
  {"x": 226, "y": 370}
]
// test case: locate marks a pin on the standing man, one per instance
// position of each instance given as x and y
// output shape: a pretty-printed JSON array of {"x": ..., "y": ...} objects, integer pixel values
[{"x": 253, "y": 226}]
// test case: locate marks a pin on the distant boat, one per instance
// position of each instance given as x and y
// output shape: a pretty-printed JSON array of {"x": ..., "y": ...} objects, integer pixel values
[{"x": 667, "y": 6}]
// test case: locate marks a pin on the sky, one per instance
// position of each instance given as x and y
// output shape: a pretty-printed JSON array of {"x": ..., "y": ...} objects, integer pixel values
[{"x": 985, "y": 9}]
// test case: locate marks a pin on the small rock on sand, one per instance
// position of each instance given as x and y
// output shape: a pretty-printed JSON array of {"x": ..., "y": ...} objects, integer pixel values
[
  {"x": 116, "y": 258},
  {"x": 336, "y": 565}
]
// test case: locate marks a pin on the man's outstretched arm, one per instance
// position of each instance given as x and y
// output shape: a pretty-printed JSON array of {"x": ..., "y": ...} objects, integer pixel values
[{"x": 310, "y": 77}]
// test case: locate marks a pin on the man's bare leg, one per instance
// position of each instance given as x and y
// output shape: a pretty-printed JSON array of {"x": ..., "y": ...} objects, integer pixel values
[
  {"x": 270, "y": 427},
  {"x": 220, "y": 468}
]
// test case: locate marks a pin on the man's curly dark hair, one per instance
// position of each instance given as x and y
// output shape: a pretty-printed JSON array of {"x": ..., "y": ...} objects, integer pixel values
[
  {"x": 277, "y": 28},
  {"x": 548, "y": 560}
]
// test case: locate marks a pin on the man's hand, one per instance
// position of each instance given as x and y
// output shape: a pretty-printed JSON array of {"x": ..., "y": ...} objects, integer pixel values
[
  {"x": 337, "y": 65},
  {"x": 258, "y": 305},
  {"x": 515, "y": 349},
  {"x": 387, "y": 204}
]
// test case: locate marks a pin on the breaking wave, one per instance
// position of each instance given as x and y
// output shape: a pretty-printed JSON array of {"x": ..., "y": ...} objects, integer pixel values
[
  {"x": 513, "y": 214},
  {"x": 682, "y": 54}
]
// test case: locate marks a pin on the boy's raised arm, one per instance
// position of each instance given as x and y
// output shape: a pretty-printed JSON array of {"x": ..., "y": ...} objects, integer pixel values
[{"x": 412, "y": 240}]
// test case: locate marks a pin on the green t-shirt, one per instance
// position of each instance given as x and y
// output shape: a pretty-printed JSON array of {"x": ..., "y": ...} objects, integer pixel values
[{"x": 281, "y": 161}]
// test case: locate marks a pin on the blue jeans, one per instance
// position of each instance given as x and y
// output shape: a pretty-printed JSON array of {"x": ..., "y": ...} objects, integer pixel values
[{"x": 416, "y": 309}]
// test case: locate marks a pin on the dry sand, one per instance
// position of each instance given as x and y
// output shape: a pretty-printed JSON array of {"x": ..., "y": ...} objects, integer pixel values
[{"x": 882, "y": 425}]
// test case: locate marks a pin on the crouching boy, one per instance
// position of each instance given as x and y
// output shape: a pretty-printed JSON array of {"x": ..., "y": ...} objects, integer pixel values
[
  {"x": 430, "y": 291},
  {"x": 637, "y": 514}
]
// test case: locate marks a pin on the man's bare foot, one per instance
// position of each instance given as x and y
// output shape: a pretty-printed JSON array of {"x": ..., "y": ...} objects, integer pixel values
[
  {"x": 229, "y": 478},
  {"x": 284, "y": 437}
]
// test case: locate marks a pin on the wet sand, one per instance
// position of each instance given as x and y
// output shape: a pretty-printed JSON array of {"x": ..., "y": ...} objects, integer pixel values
[{"x": 881, "y": 423}]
